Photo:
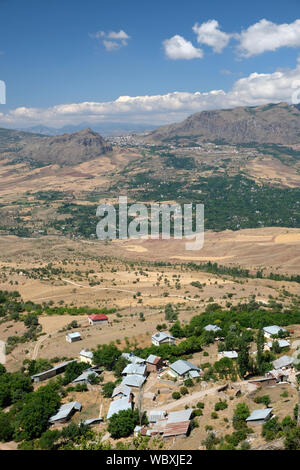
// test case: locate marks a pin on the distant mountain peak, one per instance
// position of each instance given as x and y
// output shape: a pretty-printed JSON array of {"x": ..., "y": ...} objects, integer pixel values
[{"x": 271, "y": 123}]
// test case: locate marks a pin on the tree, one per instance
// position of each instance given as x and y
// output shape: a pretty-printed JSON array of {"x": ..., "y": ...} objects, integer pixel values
[
  {"x": 2, "y": 369},
  {"x": 119, "y": 366},
  {"x": 108, "y": 389},
  {"x": 243, "y": 358},
  {"x": 106, "y": 356},
  {"x": 33, "y": 418},
  {"x": 73, "y": 370},
  {"x": 240, "y": 415},
  {"x": 6, "y": 428},
  {"x": 123, "y": 423},
  {"x": 260, "y": 350},
  {"x": 170, "y": 314},
  {"x": 48, "y": 439}
]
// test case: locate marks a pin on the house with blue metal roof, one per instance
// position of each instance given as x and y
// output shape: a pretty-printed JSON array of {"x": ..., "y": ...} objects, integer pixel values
[
  {"x": 184, "y": 369},
  {"x": 72, "y": 337},
  {"x": 161, "y": 337},
  {"x": 260, "y": 416},
  {"x": 273, "y": 330},
  {"x": 134, "y": 381},
  {"x": 135, "y": 369},
  {"x": 213, "y": 328},
  {"x": 65, "y": 412},
  {"x": 119, "y": 405}
]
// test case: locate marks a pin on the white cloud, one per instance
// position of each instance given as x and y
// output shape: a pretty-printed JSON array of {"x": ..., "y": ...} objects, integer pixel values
[
  {"x": 210, "y": 34},
  {"x": 267, "y": 36},
  {"x": 256, "y": 89},
  {"x": 113, "y": 40},
  {"x": 179, "y": 48}
]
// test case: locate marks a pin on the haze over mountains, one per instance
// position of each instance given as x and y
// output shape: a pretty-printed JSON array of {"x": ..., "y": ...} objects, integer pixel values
[{"x": 273, "y": 123}]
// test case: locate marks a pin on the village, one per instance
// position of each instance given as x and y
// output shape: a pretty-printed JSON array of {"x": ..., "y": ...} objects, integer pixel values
[{"x": 152, "y": 385}]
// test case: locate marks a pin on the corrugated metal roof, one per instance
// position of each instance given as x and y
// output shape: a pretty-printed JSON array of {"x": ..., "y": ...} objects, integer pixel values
[
  {"x": 177, "y": 416},
  {"x": 156, "y": 415},
  {"x": 121, "y": 389},
  {"x": 133, "y": 359},
  {"x": 152, "y": 359},
  {"x": 161, "y": 335},
  {"x": 230, "y": 354},
  {"x": 74, "y": 335},
  {"x": 134, "y": 369},
  {"x": 134, "y": 380},
  {"x": 65, "y": 410},
  {"x": 119, "y": 405},
  {"x": 86, "y": 353},
  {"x": 194, "y": 374},
  {"x": 283, "y": 361},
  {"x": 59, "y": 366},
  {"x": 92, "y": 421},
  {"x": 176, "y": 429},
  {"x": 98, "y": 317},
  {"x": 85, "y": 375},
  {"x": 181, "y": 367},
  {"x": 283, "y": 343},
  {"x": 213, "y": 328},
  {"x": 260, "y": 414},
  {"x": 273, "y": 330}
]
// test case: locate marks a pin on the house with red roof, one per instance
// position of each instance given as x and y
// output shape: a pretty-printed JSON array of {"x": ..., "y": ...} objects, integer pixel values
[{"x": 96, "y": 319}]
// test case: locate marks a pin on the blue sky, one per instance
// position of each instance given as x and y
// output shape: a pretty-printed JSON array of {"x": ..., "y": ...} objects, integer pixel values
[{"x": 71, "y": 52}]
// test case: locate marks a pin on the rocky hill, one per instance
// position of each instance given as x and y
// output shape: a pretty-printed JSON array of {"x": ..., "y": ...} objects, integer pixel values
[
  {"x": 67, "y": 149},
  {"x": 272, "y": 123}
]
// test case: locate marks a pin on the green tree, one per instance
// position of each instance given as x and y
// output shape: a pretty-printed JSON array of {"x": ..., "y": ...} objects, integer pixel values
[
  {"x": 106, "y": 356},
  {"x": 123, "y": 423}
]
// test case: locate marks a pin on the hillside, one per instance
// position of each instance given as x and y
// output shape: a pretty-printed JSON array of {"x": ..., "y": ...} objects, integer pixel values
[
  {"x": 273, "y": 123},
  {"x": 67, "y": 149}
]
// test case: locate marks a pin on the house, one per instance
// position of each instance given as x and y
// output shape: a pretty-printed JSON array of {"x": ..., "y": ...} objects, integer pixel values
[
  {"x": 86, "y": 375},
  {"x": 135, "y": 369},
  {"x": 86, "y": 356},
  {"x": 65, "y": 412},
  {"x": 264, "y": 381},
  {"x": 119, "y": 405},
  {"x": 269, "y": 331},
  {"x": 282, "y": 343},
  {"x": 259, "y": 416},
  {"x": 178, "y": 423},
  {"x": 279, "y": 375},
  {"x": 229, "y": 354},
  {"x": 92, "y": 421},
  {"x": 121, "y": 391},
  {"x": 156, "y": 415},
  {"x": 160, "y": 338},
  {"x": 184, "y": 369},
  {"x": 47, "y": 374},
  {"x": 72, "y": 337},
  {"x": 97, "y": 319},
  {"x": 134, "y": 381},
  {"x": 213, "y": 328},
  {"x": 154, "y": 363},
  {"x": 130, "y": 357},
  {"x": 284, "y": 362}
]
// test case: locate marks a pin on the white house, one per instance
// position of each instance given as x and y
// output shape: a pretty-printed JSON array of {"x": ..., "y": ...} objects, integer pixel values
[
  {"x": 269, "y": 331},
  {"x": 86, "y": 356},
  {"x": 161, "y": 337},
  {"x": 72, "y": 337}
]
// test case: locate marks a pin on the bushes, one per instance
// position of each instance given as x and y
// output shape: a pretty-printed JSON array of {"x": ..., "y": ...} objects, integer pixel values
[
  {"x": 221, "y": 405},
  {"x": 176, "y": 395},
  {"x": 240, "y": 415}
]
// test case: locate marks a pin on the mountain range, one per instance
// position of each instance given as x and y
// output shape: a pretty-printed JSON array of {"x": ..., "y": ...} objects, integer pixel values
[{"x": 272, "y": 123}]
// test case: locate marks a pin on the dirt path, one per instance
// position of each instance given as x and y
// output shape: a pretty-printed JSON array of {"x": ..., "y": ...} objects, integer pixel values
[{"x": 127, "y": 291}]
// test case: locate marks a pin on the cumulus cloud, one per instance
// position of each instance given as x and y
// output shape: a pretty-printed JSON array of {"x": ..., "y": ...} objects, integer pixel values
[
  {"x": 113, "y": 40},
  {"x": 268, "y": 36},
  {"x": 179, "y": 48},
  {"x": 255, "y": 89},
  {"x": 210, "y": 34}
]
